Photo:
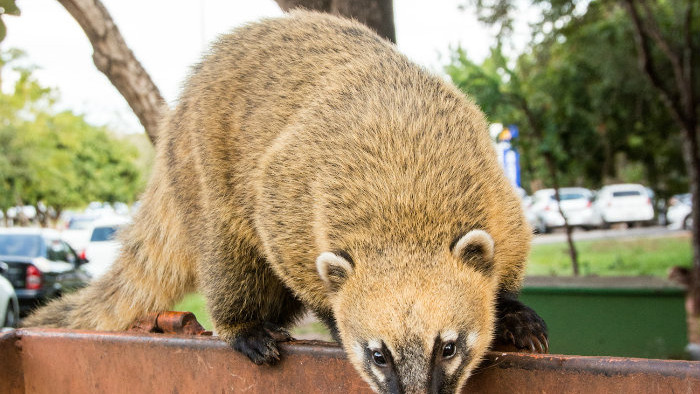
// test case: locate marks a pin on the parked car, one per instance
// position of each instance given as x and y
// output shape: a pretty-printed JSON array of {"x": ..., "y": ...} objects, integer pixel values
[
  {"x": 544, "y": 215},
  {"x": 103, "y": 248},
  {"x": 41, "y": 265},
  {"x": 9, "y": 305},
  {"x": 622, "y": 203},
  {"x": 78, "y": 230},
  {"x": 678, "y": 213}
]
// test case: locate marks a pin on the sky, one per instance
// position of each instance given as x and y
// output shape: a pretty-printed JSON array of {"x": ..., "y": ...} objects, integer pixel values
[{"x": 168, "y": 36}]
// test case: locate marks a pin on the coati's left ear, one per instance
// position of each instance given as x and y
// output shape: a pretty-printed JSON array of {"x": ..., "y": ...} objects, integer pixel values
[
  {"x": 334, "y": 268},
  {"x": 475, "y": 248}
]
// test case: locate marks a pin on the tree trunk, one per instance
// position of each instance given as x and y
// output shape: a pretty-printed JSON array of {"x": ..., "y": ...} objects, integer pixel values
[
  {"x": 682, "y": 102},
  {"x": 113, "y": 57},
  {"x": 573, "y": 253},
  {"x": 377, "y": 14},
  {"x": 692, "y": 160},
  {"x": 552, "y": 168}
]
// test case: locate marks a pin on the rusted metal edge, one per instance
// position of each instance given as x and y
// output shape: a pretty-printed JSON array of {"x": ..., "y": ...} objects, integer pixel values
[
  {"x": 607, "y": 366},
  {"x": 53, "y": 360},
  {"x": 319, "y": 348},
  {"x": 170, "y": 323}
]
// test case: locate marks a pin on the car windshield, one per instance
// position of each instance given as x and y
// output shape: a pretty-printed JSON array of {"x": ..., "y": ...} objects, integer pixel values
[
  {"x": 104, "y": 233},
  {"x": 28, "y": 245},
  {"x": 684, "y": 198},
  {"x": 571, "y": 196},
  {"x": 626, "y": 193},
  {"x": 80, "y": 223}
]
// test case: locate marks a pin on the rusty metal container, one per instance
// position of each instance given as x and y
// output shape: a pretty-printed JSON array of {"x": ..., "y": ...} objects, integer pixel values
[{"x": 63, "y": 361}]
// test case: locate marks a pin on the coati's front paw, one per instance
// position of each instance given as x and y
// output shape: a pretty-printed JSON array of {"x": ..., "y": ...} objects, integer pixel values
[
  {"x": 259, "y": 342},
  {"x": 517, "y": 325}
]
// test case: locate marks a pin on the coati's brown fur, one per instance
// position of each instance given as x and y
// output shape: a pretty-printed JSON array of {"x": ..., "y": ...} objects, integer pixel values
[{"x": 308, "y": 164}]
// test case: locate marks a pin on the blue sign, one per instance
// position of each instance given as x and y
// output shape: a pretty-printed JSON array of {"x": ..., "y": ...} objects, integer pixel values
[{"x": 508, "y": 156}]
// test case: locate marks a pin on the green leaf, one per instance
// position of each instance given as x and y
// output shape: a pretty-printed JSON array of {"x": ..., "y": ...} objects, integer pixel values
[{"x": 9, "y": 7}]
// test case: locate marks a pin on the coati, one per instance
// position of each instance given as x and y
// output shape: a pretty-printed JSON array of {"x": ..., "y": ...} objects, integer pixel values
[{"x": 309, "y": 165}]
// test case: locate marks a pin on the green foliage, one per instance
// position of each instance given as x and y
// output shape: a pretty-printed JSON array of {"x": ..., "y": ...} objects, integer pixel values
[
  {"x": 580, "y": 85},
  {"x": 57, "y": 158},
  {"x": 10, "y": 8}
]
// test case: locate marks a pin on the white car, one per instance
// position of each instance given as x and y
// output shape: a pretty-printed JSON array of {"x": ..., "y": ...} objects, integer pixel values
[
  {"x": 544, "y": 215},
  {"x": 78, "y": 230},
  {"x": 678, "y": 213},
  {"x": 103, "y": 248},
  {"x": 623, "y": 203},
  {"x": 9, "y": 304}
]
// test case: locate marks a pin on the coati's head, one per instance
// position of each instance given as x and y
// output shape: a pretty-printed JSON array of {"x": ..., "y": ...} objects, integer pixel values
[{"x": 415, "y": 321}]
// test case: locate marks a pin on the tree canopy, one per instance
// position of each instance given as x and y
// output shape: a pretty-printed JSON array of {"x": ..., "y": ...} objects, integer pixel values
[
  {"x": 599, "y": 119},
  {"x": 57, "y": 157}
]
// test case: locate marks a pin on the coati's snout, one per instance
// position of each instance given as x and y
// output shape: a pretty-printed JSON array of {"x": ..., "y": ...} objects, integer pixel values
[{"x": 418, "y": 333}]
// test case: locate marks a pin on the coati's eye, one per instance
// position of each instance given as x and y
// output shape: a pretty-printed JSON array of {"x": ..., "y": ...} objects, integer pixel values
[
  {"x": 378, "y": 358},
  {"x": 449, "y": 350}
]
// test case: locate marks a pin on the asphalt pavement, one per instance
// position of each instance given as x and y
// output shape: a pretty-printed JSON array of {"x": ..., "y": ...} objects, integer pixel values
[{"x": 580, "y": 235}]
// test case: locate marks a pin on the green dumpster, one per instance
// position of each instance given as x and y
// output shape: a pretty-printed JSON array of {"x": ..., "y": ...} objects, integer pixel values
[{"x": 610, "y": 316}]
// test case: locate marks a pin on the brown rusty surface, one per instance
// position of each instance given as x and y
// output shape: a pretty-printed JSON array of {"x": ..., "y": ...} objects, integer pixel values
[
  {"x": 87, "y": 362},
  {"x": 183, "y": 323},
  {"x": 11, "y": 376},
  {"x": 528, "y": 373}
]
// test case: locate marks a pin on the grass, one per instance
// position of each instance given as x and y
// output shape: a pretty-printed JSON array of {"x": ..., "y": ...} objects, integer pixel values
[
  {"x": 618, "y": 257},
  {"x": 614, "y": 257},
  {"x": 194, "y": 303}
]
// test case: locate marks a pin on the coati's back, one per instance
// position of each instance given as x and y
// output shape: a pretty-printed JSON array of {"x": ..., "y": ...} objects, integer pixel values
[{"x": 317, "y": 112}]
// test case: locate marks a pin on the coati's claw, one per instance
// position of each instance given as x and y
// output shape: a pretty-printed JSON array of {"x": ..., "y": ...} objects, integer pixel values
[
  {"x": 259, "y": 342},
  {"x": 277, "y": 333},
  {"x": 519, "y": 326}
]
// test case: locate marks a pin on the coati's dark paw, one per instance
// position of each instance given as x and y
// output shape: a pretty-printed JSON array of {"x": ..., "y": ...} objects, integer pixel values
[
  {"x": 259, "y": 342},
  {"x": 519, "y": 328}
]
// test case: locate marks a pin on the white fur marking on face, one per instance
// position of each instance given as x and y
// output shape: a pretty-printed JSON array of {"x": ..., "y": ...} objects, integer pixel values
[
  {"x": 358, "y": 350},
  {"x": 480, "y": 237},
  {"x": 326, "y": 259},
  {"x": 453, "y": 364},
  {"x": 374, "y": 344},
  {"x": 449, "y": 336},
  {"x": 472, "y": 338},
  {"x": 378, "y": 373}
]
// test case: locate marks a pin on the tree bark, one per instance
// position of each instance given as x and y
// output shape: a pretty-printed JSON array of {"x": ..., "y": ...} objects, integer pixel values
[
  {"x": 377, "y": 14},
  {"x": 114, "y": 58}
]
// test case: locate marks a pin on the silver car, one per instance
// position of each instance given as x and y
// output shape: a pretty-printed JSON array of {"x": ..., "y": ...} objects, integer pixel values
[{"x": 9, "y": 305}]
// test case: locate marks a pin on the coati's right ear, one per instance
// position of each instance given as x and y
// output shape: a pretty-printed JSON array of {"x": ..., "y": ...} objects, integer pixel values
[
  {"x": 334, "y": 269},
  {"x": 476, "y": 249}
]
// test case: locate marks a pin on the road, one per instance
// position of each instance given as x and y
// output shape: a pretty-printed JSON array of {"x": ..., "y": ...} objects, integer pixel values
[{"x": 580, "y": 235}]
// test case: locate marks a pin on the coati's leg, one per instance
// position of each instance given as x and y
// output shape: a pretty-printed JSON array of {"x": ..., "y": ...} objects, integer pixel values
[
  {"x": 519, "y": 325},
  {"x": 326, "y": 316},
  {"x": 249, "y": 306},
  {"x": 155, "y": 268}
]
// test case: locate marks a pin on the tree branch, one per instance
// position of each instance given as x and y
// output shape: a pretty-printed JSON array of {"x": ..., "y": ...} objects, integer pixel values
[
  {"x": 377, "y": 14},
  {"x": 654, "y": 32},
  {"x": 113, "y": 58},
  {"x": 647, "y": 65},
  {"x": 689, "y": 57}
]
